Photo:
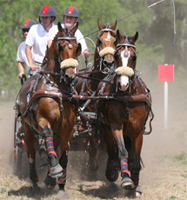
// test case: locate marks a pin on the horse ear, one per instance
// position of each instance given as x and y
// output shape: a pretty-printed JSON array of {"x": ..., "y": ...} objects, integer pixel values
[
  {"x": 119, "y": 37},
  {"x": 113, "y": 27},
  {"x": 135, "y": 37},
  {"x": 75, "y": 27},
  {"x": 79, "y": 49},
  {"x": 60, "y": 29},
  {"x": 100, "y": 26}
]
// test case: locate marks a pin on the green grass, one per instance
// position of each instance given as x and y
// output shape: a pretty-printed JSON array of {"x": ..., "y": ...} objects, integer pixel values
[
  {"x": 182, "y": 159},
  {"x": 173, "y": 197}
]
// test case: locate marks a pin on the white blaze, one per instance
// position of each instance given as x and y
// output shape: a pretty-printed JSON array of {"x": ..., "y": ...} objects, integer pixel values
[
  {"x": 124, "y": 79},
  {"x": 108, "y": 38}
]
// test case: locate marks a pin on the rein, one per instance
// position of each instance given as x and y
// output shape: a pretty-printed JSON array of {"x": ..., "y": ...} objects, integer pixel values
[
  {"x": 95, "y": 79},
  {"x": 51, "y": 73}
]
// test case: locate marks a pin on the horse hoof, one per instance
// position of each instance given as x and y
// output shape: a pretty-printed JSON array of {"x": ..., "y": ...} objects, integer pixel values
[
  {"x": 56, "y": 171},
  {"x": 92, "y": 164},
  {"x": 134, "y": 193},
  {"x": 127, "y": 183},
  {"x": 50, "y": 182},
  {"x": 112, "y": 174},
  {"x": 138, "y": 192},
  {"x": 62, "y": 194},
  {"x": 35, "y": 188}
]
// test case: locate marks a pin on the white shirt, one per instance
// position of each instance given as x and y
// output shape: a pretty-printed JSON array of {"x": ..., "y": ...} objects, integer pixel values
[
  {"x": 21, "y": 56},
  {"x": 37, "y": 38},
  {"x": 79, "y": 36}
]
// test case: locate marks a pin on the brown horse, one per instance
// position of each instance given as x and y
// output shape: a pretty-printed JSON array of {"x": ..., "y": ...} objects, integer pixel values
[
  {"x": 124, "y": 113},
  {"x": 103, "y": 64},
  {"x": 46, "y": 107}
]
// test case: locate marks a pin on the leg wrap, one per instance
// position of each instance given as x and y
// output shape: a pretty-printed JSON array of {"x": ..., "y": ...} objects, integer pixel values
[
  {"x": 135, "y": 179},
  {"x": 48, "y": 135},
  {"x": 124, "y": 167},
  {"x": 49, "y": 146},
  {"x": 62, "y": 179}
]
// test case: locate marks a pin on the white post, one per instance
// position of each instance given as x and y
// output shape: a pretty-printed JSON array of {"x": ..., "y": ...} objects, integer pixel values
[{"x": 165, "y": 104}]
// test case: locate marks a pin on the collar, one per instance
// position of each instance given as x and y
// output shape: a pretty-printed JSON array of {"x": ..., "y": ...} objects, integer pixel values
[{"x": 41, "y": 28}]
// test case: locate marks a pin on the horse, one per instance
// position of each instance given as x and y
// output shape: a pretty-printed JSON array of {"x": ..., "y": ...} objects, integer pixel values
[
  {"x": 47, "y": 109},
  {"x": 124, "y": 107},
  {"x": 89, "y": 80}
]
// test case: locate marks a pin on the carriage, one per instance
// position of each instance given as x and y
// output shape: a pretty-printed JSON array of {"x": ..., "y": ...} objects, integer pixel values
[{"x": 89, "y": 101}]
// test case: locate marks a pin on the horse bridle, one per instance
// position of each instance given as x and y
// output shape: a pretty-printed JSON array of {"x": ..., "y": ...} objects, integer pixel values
[
  {"x": 109, "y": 30},
  {"x": 133, "y": 48},
  {"x": 126, "y": 44},
  {"x": 63, "y": 39},
  {"x": 70, "y": 46}
]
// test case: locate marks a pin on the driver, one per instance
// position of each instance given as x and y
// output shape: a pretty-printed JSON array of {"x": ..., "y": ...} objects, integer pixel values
[
  {"x": 38, "y": 37},
  {"x": 21, "y": 56},
  {"x": 37, "y": 42},
  {"x": 70, "y": 16}
]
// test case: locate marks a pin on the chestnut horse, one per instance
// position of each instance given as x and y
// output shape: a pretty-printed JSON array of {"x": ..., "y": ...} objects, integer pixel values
[
  {"x": 124, "y": 113},
  {"x": 46, "y": 107},
  {"x": 89, "y": 80}
]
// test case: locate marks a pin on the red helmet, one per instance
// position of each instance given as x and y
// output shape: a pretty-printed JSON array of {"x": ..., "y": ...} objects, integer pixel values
[
  {"x": 71, "y": 11},
  {"x": 47, "y": 11},
  {"x": 27, "y": 24}
]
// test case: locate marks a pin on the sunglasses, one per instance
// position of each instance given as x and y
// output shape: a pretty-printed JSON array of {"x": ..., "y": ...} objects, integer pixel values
[{"x": 25, "y": 30}]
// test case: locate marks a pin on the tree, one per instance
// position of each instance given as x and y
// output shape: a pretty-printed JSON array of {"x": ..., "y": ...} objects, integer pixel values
[{"x": 155, "y": 27}]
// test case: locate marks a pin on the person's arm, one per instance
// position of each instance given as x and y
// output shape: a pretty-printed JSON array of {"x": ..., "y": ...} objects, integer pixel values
[
  {"x": 29, "y": 57},
  {"x": 81, "y": 40},
  {"x": 21, "y": 68}
]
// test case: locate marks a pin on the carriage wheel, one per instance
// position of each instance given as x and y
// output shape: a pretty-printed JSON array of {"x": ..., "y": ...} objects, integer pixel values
[
  {"x": 112, "y": 174},
  {"x": 19, "y": 147}
]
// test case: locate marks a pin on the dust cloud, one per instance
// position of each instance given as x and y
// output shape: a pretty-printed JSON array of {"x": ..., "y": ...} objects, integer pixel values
[{"x": 162, "y": 142}]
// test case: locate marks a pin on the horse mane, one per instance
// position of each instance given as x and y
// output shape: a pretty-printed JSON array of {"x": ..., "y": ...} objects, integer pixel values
[{"x": 54, "y": 40}]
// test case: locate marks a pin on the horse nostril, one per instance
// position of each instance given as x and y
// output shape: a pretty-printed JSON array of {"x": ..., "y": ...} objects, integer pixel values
[
  {"x": 108, "y": 63},
  {"x": 69, "y": 79},
  {"x": 105, "y": 62}
]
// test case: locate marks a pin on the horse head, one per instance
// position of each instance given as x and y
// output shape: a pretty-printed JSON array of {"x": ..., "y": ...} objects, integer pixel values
[
  {"x": 105, "y": 45},
  {"x": 66, "y": 50},
  {"x": 125, "y": 59}
]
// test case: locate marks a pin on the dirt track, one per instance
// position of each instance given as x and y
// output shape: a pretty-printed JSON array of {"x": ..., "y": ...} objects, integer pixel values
[{"x": 161, "y": 178}]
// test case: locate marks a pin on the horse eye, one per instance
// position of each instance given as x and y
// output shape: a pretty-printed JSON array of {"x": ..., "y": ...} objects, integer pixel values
[
  {"x": 116, "y": 56},
  {"x": 133, "y": 58},
  {"x": 60, "y": 47}
]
